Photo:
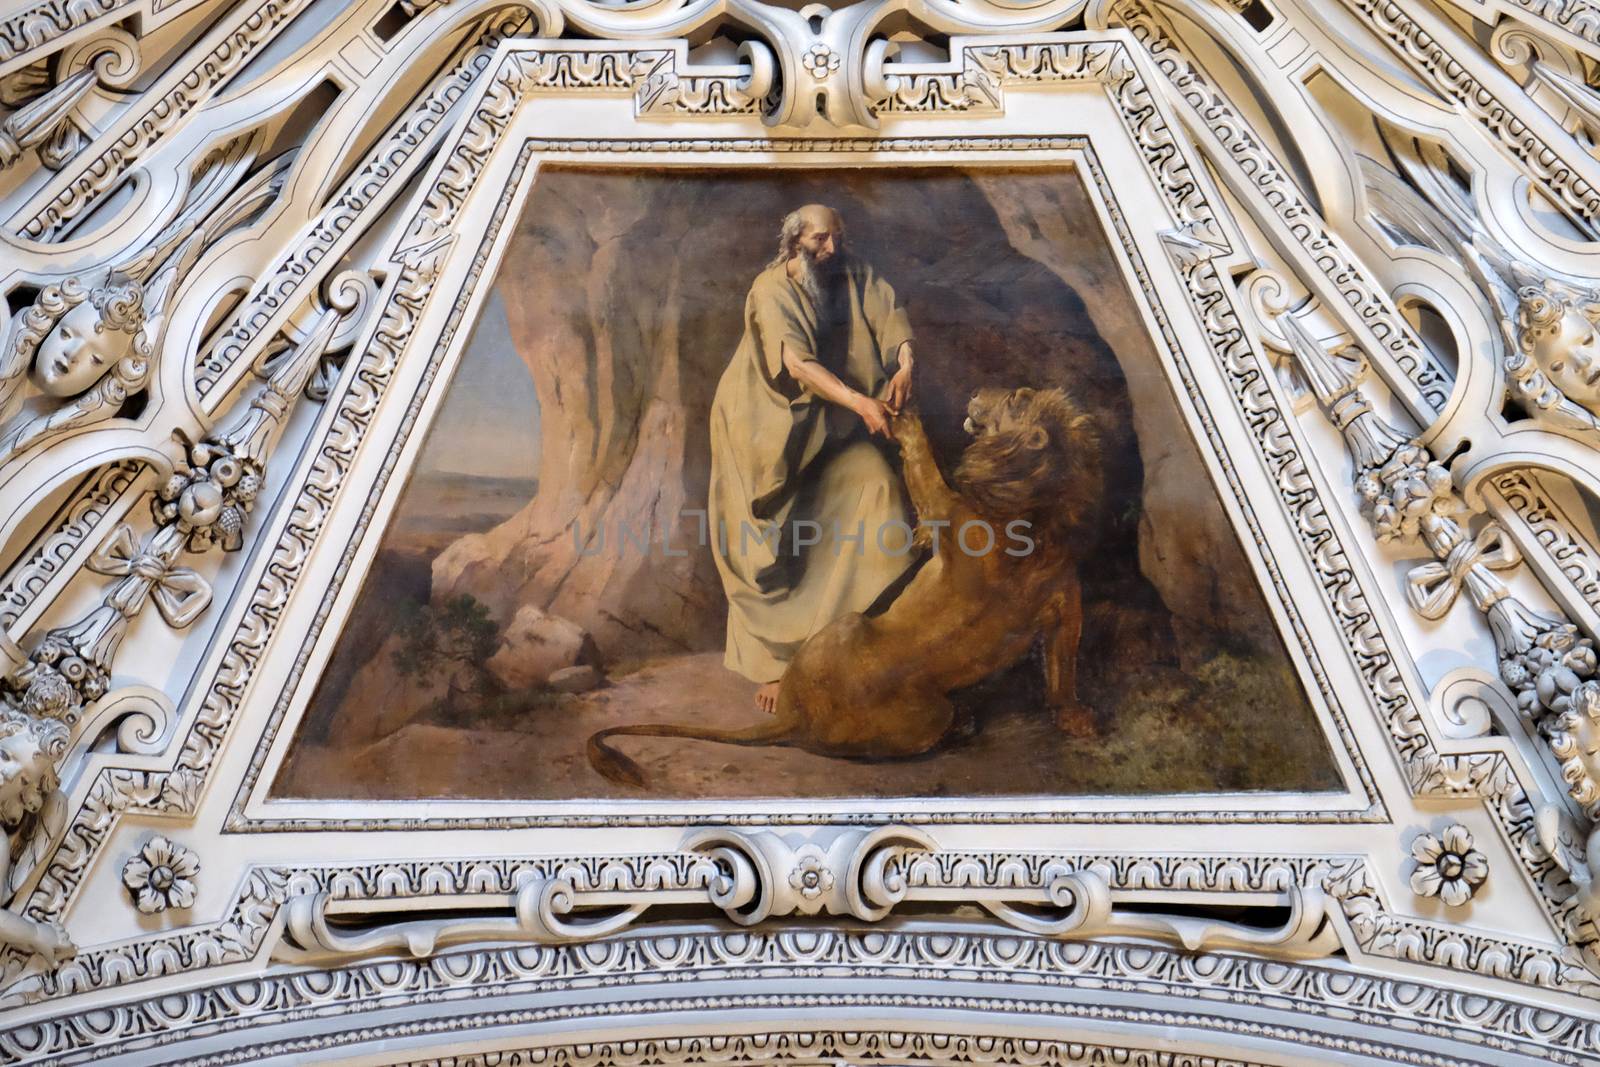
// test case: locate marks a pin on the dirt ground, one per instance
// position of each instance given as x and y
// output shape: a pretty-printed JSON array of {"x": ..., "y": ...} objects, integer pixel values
[{"x": 538, "y": 752}]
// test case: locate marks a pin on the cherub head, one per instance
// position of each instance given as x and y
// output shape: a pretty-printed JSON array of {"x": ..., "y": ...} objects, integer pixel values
[
  {"x": 28, "y": 750},
  {"x": 1558, "y": 355},
  {"x": 1575, "y": 740},
  {"x": 75, "y": 337}
]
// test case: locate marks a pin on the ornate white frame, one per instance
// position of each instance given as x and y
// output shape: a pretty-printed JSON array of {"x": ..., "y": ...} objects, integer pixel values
[{"x": 281, "y": 875}]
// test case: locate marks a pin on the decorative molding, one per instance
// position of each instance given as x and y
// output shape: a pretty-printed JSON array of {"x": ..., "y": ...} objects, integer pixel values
[
  {"x": 1555, "y": 532},
  {"x": 808, "y": 1046},
  {"x": 1372, "y": 310},
  {"x": 1301, "y": 996},
  {"x": 33, "y": 30},
  {"x": 341, "y": 258},
  {"x": 1550, "y": 157},
  {"x": 239, "y": 38},
  {"x": 91, "y": 503}
]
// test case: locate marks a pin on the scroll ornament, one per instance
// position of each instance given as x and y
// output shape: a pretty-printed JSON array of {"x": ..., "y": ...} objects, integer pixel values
[
  {"x": 752, "y": 877},
  {"x": 46, "y": 96}
]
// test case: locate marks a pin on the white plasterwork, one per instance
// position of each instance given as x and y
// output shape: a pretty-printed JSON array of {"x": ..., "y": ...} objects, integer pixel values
[{"x": 168, "y": 602}]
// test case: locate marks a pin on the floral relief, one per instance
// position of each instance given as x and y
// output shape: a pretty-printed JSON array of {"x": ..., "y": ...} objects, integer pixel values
[
  {"x": 820, "y": 60},
  {"x": 1448, "y": 867},
  {"x": 161, "y": 876},
  {"x": 811, "y": 877}
]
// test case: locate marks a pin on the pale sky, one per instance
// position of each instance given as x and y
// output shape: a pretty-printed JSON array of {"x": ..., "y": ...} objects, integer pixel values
[{"x": 489, "y": 422}]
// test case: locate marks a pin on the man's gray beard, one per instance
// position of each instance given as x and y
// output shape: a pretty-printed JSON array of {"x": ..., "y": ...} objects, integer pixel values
[{"x": 814, "y": 280}]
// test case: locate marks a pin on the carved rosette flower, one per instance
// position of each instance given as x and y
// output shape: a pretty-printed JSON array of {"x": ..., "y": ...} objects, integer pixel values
[
  {"x": 820, "y": 60},
  {"x": 811, "y": 877},
  {"x": 161, "y": 876},
  {"x": 1448, "y": 867},
  {"x": 209, "y": 498}
]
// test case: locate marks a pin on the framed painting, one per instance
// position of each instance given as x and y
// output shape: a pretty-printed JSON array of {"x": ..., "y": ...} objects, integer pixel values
[{"x": 772, "y": 480}]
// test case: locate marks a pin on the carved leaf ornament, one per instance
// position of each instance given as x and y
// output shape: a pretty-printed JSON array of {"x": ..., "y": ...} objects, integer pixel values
[{"x": 250, "y": 244}]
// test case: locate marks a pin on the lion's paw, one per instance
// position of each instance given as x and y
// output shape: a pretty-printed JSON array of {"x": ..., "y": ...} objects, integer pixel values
[{"x": 1076, "y": 720}]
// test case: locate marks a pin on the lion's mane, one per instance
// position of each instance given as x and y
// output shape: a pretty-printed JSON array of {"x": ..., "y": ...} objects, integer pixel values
[{"x": 1039, "y": 462}]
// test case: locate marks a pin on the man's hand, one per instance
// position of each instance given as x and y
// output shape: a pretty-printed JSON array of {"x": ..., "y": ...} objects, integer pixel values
[
  {"x": 875, "y": 413},
  {"x": 899, "y": 391}
]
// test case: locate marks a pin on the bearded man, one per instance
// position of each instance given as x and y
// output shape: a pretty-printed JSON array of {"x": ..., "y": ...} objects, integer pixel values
[{"x": 810, "y": 516}]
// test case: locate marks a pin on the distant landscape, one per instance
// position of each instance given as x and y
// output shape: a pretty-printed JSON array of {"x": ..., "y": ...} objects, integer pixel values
[{"x": 441, "y": 506}]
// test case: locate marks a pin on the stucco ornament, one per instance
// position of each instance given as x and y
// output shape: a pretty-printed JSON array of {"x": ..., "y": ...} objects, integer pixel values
[
  {"x": 810, "y": 876},
  {"x": 820, "y": 60},
  {"x": 46, "y": 97},
  {"x": 1545, "y": 323},
  {"x": 755, "y": 877},
  {"x": 1407, "y": 493},
  {"x": 809, "y": 73},
  {"x": 209, "y": 496},
  {"x": 83, "y": 347},
  {"x": 1410, "y": 497},
  {"x": 202, "y": 505},
  {"x": 32, "y": 812},
  {"x": 1575, "y": 741},
  {"x": 1554, "y": 367},
  {"x": 161, "y": 875},
  {"x": 93, "y": 339},
  {"x": 1448, "y": 867}
]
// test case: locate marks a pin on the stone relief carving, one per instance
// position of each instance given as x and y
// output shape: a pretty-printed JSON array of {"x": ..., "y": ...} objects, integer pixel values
[
  {"x": 1409, "y": 496},
  {"x": 84, "y": 349},
  {"x": 32, "y": 812},
  {"x": 1575, "y": 740},
  {"x": 161, "y": 875},
  {"x": 863, "y": 874},
  {"x": 1447, "y": 866},
  {"x": 93, "y": 338}
]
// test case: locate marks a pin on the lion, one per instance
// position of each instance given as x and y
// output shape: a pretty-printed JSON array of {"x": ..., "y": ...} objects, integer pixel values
[{"x": 878, "y": 686}]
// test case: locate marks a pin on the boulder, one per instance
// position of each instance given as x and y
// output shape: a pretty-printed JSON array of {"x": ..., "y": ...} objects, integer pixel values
[
  {"x": 578, "y": 679},
  {"x": 535, "y": 646}
]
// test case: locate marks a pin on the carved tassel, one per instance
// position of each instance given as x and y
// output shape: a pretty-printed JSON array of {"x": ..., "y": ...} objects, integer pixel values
[
  {"x": 1370, "y": 440},
  {"x": 36, "y": 122}
]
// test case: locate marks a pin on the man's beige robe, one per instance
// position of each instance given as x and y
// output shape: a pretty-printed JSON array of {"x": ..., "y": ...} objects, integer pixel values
[{"x": 785, "y": 456}]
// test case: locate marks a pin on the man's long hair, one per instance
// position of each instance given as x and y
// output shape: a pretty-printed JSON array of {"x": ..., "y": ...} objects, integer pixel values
[{"x": 789, "y": 238}]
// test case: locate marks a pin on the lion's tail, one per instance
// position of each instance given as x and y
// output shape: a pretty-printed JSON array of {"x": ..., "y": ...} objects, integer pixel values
[{"x": 620, "y": 769}]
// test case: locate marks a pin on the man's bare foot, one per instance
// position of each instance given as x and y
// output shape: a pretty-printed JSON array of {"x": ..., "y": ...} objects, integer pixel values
[{"x": 767, "y": 698}]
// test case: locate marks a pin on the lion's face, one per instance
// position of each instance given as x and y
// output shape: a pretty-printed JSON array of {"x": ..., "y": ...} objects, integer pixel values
[
  {"x": 1034, "y": 455},
  {"x": 994, "y": 410}
]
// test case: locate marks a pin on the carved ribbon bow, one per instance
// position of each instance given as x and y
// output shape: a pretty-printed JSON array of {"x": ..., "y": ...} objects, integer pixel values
[
  {"x": 179, "y": 593},
  {"x": 1432, "y": 588}
]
